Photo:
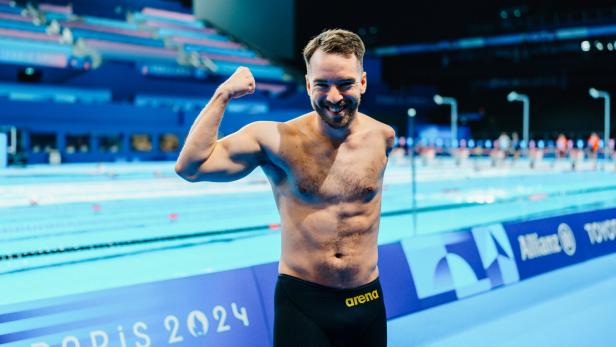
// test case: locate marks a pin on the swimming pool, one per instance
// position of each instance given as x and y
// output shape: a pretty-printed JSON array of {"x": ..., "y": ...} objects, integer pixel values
[{"x": 130, "y": 223}]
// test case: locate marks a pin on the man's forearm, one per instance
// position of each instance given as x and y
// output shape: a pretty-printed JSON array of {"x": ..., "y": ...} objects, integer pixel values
[{"x": 203, "y": 134}]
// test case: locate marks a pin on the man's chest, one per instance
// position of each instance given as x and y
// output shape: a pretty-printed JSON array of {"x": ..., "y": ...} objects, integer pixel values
[{"x": 346, "y": 173}]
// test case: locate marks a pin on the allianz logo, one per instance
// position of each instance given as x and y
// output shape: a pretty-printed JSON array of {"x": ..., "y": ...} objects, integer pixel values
[
  {"x": 534, "y": 246},
  {"x": 599, "y": 232}
]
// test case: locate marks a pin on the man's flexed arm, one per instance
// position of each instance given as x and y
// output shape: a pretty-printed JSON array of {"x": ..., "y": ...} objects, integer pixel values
[{"x": 203, "y": 158}]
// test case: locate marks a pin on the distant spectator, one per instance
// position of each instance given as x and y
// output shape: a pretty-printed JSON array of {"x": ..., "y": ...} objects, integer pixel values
[
  {"x": 561, "y": 146},
  {"x": 515, "y": 145},
  {"x": 593, "y": 145},
  {"x": 504, "y": 142}
]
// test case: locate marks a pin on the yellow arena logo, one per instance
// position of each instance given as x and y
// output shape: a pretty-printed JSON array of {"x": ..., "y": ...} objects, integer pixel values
[{"x": 362, "y": 299}]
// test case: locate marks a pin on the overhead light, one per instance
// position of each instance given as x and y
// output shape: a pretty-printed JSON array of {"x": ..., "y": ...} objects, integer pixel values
[
  {"x": 593, "y": 92},
  {"x": 585, "y": 45},
  {"x": 438, "y": 99},
  {"x": 599, "y": 45},
  {"x": 610, "y": 46},
  {"x": 411, "y": 112}
]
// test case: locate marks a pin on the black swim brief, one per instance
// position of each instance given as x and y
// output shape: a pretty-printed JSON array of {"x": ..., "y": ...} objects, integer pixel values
[{"x": 311, "y": 315}]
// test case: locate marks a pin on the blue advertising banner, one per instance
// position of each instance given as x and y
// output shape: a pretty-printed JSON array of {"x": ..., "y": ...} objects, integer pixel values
[
  {"x": 551, "y": 243},
  {"x": 398, "y": 290},
  {"x": 219, "y": 309},
  {"x": 447, "y": 267},
  {"x": 598, "y": 231},
  {"x": 266, "y": 276},
  {"x": 496, "y": 253}
]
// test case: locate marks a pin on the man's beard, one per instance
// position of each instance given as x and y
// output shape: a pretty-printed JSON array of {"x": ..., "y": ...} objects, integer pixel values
[{"x": 348, "y": 109}]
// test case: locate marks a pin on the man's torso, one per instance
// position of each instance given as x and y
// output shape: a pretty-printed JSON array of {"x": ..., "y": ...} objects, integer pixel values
[{"x": 329, "y": 196}]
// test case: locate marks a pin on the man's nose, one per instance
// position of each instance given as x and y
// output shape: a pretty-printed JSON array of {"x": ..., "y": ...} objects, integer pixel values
[{"x": 333, "y": 95}]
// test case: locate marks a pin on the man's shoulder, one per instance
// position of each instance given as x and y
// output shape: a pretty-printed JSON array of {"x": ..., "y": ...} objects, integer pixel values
[
  {"x": 379, "y": 126},
  {"x": 269, "y": 133},
  {"x": 266, "y": 125}
]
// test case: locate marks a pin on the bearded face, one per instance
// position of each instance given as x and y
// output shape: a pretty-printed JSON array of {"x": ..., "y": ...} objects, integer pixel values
[
  {"x": 339, "y": 112},
  {"x": 335, "y": 84}
]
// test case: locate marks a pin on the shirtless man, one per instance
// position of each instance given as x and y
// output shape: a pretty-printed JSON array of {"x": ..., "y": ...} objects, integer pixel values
[{"x": 326, "y": 171}]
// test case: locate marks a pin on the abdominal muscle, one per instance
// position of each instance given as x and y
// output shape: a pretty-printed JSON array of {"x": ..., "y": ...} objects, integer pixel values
[{"x": 334, "y": 246}]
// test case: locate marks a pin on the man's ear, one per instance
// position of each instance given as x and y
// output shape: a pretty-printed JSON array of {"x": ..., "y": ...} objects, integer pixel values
[
  {"x": 308, "y": 85},
  {"x": 363, "y": 84}
]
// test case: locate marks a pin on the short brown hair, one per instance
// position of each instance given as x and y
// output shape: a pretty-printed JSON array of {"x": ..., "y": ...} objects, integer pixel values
[{"x": 336, "y": 41}]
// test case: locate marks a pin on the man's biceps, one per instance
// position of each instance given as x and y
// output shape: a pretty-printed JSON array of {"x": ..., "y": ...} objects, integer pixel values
[
  {"x": 239, "y": 144},
  {"x": 218, "y": 158}
]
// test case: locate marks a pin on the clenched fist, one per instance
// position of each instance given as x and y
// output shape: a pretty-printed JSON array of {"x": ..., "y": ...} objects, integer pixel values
[{"x": 239, "y": 84}]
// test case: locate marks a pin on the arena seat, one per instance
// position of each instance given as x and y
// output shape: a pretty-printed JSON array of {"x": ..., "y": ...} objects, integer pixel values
[{"x": 42, "y": 92}]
